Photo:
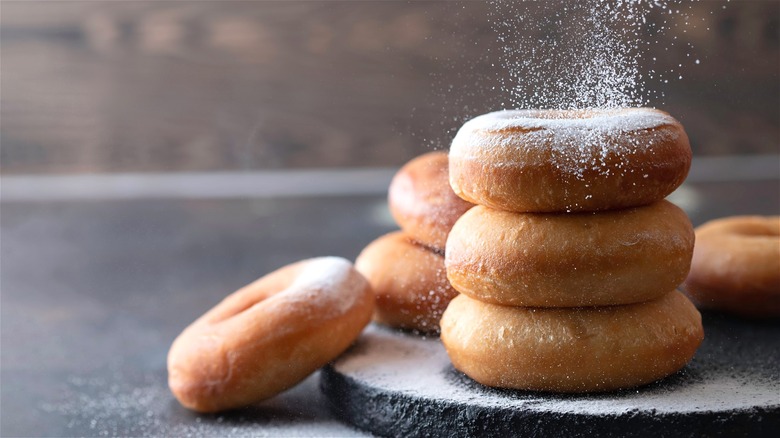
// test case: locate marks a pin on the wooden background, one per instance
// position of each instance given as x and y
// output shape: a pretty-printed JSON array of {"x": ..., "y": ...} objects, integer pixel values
[{"x": 109, "y": 86}]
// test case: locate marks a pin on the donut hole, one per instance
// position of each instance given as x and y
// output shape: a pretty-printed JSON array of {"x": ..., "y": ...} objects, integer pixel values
[
  {"x": 240, "y": 310},
  {"x": 236, "y": 311},
  {"x": 255, "y": 293},
  {"x": 756, "y": 230}
]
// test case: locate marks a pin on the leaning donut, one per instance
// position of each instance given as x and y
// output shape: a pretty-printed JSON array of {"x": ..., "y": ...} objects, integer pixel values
[
  {"x": 422, "y": 201},
  {"x": 736, "y": 266},
  {"x": 409, "y": 281},
  {"x": 568, "y": 260},
  {"x": 579, "y": 160},
  {"x": 571, "y": 350},
  {"x": 269, "y": 335}
]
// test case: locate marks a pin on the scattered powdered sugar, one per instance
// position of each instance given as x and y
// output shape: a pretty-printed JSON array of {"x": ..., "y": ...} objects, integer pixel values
[
  {"x": 585, "y": 53},
  {"x": 430, "y": 304},
  {"x": 145, "y": 407},
  {"x": 419, "y": 368}
]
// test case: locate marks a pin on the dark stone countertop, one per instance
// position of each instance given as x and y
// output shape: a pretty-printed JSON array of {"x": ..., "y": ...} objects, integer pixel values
[{"x": 93, "y": 293}]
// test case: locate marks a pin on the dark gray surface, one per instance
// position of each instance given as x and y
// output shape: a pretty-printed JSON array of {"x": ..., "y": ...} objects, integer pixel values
[{"x": 93, "y": 293}]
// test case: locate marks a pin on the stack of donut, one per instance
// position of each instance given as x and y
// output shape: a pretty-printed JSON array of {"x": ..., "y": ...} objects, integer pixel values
[
  {"x": 406, "y": 268},
  {"x": 568, "y": 266}
]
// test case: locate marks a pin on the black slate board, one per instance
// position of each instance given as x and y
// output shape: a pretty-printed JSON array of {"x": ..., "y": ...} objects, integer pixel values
[{"x": 399, "y": 384}]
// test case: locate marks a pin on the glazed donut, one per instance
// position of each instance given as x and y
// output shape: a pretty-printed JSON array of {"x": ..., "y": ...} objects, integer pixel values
[
  {"x": 571, "y": 350},
  {"x": 569, "y": 260},
  {"x": 408, "y": 280},
  {"x": 422, "y": 201},
  {"x": 569, "y": 161},
  {"x": 269, "y": 335},
  {"x": 736, "y": 266}
]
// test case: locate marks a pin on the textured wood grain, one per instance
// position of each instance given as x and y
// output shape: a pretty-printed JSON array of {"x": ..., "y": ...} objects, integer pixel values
[{"x": 201, "y": 85}]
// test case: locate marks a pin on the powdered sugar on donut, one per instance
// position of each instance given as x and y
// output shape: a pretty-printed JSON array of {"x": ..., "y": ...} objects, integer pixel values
[
  {"x": 572, "y": 122},
  {"x": 578, "y": 140},
  {"x": 328, "y": 284}
]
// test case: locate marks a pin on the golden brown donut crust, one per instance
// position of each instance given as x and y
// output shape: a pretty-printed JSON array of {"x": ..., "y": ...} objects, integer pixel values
[
  {"x": 269, "y": 335},
  {"x": 422, "y": 201},
  {"x": 571, "y": 350},
  {"x": 409, "y": 282},
  {"x": 736, "y": 266},
  {"x": 569, "y": 260},
  {"x": 569, "y": 161}
]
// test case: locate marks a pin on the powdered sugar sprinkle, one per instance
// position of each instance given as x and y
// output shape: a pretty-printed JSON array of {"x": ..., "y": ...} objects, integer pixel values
[{"x": 582, "y": 54}]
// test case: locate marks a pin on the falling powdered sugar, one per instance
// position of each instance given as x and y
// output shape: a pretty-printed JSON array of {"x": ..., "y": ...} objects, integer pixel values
[{"x": 583, "y": 54}]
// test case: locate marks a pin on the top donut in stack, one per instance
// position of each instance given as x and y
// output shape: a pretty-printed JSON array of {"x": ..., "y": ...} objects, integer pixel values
[
  {"x": 571, "y": 231},
  {"x": 546, "y": 161}
]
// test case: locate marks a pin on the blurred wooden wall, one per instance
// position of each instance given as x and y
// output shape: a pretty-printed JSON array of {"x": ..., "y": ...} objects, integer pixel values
[{"x": 99, "y": 86}]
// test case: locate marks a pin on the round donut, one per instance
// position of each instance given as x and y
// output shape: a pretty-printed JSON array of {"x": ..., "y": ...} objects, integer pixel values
[
  {"x": 269, "y": 335},
  {"x": 409, "y": 282},
  {"x": 736, "y": 266},
  {"x": 422, "y": 201},
  {"x": 569, "y": 161},
  {"x": 571, "y": 350},
  {"x": 569, "y": 260}
]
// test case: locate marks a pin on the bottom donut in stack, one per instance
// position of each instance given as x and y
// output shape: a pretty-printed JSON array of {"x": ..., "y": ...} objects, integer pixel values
[{"x": 571, "y": 350}]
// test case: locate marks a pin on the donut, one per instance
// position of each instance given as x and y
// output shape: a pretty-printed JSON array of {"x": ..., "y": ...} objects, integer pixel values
[
  {"x": 571, "y": 350},
  {"x": 736, "y": 266},
  {"x": 269, "y": 335},
  {"x": 570, "y": 259},
  {"x": 422, "y": 201},
  {"x": 569, "y": 161},
  {"x": 409, "y": 282}
]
